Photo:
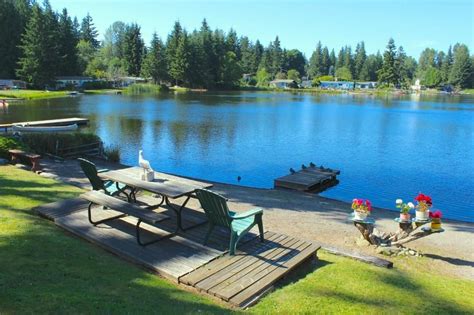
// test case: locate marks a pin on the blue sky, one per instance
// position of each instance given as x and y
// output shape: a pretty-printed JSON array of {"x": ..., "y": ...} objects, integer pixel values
[{"x": 300, "y": 24}]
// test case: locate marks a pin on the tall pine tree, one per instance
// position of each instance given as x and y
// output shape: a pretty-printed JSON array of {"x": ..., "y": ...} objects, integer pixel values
[
  {"x": 388, "y": 73},
  {"x": 89, "y": 32}
]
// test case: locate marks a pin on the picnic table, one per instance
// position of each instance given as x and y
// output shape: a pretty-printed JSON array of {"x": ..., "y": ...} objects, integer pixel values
[{"x": 164, "y": 185}]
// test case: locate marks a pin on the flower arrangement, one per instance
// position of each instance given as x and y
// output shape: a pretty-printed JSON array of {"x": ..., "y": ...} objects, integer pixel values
[
  {"x": 404, "y": 209},
  {"x": 362, "y": 208},
  {"x": 423, "y": 206},
  {"x": 436, "y": 219}
]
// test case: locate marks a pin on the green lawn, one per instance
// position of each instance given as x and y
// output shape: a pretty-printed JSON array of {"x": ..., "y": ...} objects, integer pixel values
[
  {"x": 32, "y": 94},
  {"x": 46, "y": 270}
]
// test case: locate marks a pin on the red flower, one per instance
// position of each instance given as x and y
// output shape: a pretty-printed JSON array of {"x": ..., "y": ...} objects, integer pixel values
[
  {"x": 368, "y": 204},
  {"x": 424, "y": 198},
  {"x": 436, "y": 215}
]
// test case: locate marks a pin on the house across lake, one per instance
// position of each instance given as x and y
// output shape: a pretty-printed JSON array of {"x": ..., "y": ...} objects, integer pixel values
[{"x": 347, "y": 85}]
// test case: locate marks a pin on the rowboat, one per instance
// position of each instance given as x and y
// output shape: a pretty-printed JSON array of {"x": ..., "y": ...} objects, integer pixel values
[{"x": 26, "y": 128}]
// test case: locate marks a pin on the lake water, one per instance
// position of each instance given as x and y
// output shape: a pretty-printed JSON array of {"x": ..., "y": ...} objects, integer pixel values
[{"x": 386, "y": 148}]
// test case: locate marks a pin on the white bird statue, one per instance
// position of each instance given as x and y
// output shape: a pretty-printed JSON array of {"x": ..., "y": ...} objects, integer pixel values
[{"x": 144, "y": 163}]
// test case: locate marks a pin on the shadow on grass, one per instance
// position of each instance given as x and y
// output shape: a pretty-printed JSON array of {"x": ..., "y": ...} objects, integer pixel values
[{"x": 451, "y": 260}]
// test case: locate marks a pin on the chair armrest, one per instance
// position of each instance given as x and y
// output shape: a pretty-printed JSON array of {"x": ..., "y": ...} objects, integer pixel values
[
  {"x": 248, "y": 213},
  {"x": 103, "y": 170}
]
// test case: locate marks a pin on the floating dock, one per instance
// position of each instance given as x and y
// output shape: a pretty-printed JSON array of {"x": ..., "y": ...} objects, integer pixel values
[
  {"x": 312, "y": 179},
  {"x": 50, "y": 122}
]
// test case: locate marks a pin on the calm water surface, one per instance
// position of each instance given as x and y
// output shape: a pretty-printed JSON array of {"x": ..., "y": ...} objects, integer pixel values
[{"x": 386, "y": 148}]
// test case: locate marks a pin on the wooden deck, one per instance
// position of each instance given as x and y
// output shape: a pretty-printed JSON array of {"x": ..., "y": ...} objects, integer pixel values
[
  {"x": 50, "y": 122},
  {"x": 239, "y": 280},
  {"x": 308, "y": 179}
]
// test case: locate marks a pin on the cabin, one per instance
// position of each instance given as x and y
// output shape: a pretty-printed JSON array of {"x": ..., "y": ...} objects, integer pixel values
[
  {"x": 337, "y": 85},
  {"x": 72, "y": 81},
  {"x": 126, "y": 81},
  {"x": 366, "y": 85},
  {"x": 284, "y": 84},
  {"x": 11, "y": 84}
]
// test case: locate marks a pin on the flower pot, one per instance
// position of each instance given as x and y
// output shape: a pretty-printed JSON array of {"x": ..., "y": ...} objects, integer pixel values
[
  {"x": 422, "y": 215},
  {"x": 360, "y": 215},
  {"x": 404, "y": 217},
  {"x": 436, "y": 224}
]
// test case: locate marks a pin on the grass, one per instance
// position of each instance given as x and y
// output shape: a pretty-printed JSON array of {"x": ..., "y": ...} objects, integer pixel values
[
  {"x": 32, "y": 94},
  {"x": 467, "y": 91},
  {"x": 45, "y": 270},
  {"x": 102, "y": 91},
  {"x": 143, "y": 88}
]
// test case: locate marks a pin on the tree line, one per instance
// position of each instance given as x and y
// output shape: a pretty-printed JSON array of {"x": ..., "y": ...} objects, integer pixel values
[{"x": 38, "y": 44}]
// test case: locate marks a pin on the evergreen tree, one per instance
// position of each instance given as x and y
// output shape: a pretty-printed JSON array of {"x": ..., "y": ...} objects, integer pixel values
[
  {"x": 247, "y": 55},
  {"x": 154, "y": 64},
  {"x": 359, "y": 62},
  {"x": 257, "y": 55},
  {"x": 89, "y": 32},
  {"x": 349, "y": 60},
  {"x": 295, "y": 60},
  {"x": 207, "y": 56},
  {"x": 461, "y": 70},
  {"x": 39, "y": 52},
  {"x": 388, "y": 73},
  {"x": 179, "y": 67},
  {"x": 401, "y": 67},
  {"x": 12, "y": 24},
  {"x": 447, "y": 64},
  {"x": 232, "y": 72},
  {"x": 340, "y": 58},
  {"x": 325, "y": 61},
  {"x": 316, "y": 68},
  {"x": 232, "y": 43},
  {"x": 67, "y": 40},
  {"x": 134, "y": 50},
  {"x": 277, "y": 56}
]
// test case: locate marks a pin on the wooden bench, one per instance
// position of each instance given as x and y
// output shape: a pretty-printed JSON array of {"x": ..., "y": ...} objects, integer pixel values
[
  {"x": 34, "y": 158},
  {"x": 127, "y": 209}
]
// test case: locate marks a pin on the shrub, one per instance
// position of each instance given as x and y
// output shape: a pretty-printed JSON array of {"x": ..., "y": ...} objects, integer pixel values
[
  {"x": 145, "y": 88},
  {"x": 49, "y": 143},
  {"x": 112, "y": 153},
  {"x": 326, "y": 78},
  {"x": 7, "y": 143}
]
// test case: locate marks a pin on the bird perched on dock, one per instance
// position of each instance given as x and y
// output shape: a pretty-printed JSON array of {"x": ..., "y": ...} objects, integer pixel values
[
  {"x": 292, "y": 171},
  {"x": 311, "y": 164},
  {"x": 303, "y": 167},
  {"x": 144, "y": 163}
]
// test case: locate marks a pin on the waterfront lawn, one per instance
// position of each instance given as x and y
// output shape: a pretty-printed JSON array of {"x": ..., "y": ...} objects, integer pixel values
[
  {"x": 46, "y": 270},
  {"x": 31, "y": 94}
]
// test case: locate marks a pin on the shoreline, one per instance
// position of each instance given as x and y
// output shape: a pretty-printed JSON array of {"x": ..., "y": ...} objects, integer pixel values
[{"x": 35, "y": 94}]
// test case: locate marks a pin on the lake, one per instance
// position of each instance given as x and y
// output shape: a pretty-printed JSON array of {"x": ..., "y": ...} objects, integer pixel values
[{"x": 385, "y": 147}]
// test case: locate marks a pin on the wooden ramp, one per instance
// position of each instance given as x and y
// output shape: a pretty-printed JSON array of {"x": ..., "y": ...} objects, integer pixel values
[
  {"x": 50, "y": 122},
  {"x": 308, "y": 179},
  {"x": 239, "y": 280}
]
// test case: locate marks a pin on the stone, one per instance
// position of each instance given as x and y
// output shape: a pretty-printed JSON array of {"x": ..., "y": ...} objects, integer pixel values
[{"x": 412, "y": 252}]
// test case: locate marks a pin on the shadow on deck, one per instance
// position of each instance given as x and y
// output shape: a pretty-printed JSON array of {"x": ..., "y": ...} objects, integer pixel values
[{"x": 239, "y": 280}]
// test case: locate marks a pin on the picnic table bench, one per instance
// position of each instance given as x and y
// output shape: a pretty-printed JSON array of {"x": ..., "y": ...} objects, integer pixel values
[
  {"x": 34, "y": 158},
  {"x": 126, "y": 209}
]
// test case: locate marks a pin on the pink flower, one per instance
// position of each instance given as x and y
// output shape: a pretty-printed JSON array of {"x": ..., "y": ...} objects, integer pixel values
[{"x": 368, "y": 204}]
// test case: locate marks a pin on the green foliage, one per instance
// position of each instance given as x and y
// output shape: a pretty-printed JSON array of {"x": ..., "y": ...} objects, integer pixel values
[
  {"x": 47, "y": 142},
  {"x": 263, "y": 77},
  {"x": 154, "y": 64},
  {"x": 7, "y": 143},
  {"x": 432, "y": 77},
  {"x": 293, "y": 75},
  {"x": 112, "y": 153},
  {"x": 388, "y": 74},
  {"x": 144, "y": 88},
  {"x": 343, "y": 74},
  {"x": 231, "y": 70},
  {"x": 88, "y": 31},
  {"x": 326, "y": 78},
  {"x": 133, "y": 50},
  {"x": 461, "y": 74},
  {"x": 280, "y": 76},
  {"x": 31, "y": 94},
  {"x": 316, "y": 82}
]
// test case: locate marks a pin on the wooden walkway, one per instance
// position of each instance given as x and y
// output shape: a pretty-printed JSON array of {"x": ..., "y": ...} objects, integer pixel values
[
  {"x": 239, "y": 280},
  {"x": 50, "y": 122},
  {"x": 313, "y": 179}
]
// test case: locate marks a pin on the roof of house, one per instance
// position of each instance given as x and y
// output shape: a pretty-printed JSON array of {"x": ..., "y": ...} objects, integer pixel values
[
  {"x": 73, "y": 78},
  {"x": 283, "y": 81}
]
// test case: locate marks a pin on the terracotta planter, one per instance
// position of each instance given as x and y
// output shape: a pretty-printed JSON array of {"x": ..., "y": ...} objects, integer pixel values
[
  {"x": 405, "y": 217},
  {"x": 422, "y": 215},
  {"x": 436, "y": 224},
  {"x": 360, "y": 215}
]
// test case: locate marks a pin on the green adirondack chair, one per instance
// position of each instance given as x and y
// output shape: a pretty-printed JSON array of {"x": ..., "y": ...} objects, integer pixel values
[
  {"x": 109, "y": 187},
  {"x": 215, "y": 207}
]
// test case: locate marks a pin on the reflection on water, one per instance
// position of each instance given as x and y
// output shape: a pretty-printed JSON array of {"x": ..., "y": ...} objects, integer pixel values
[{"x": 385, "y": 147}]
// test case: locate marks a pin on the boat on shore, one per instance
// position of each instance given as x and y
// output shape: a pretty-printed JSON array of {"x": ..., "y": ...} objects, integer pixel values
[{"x": 27, "y": 128}]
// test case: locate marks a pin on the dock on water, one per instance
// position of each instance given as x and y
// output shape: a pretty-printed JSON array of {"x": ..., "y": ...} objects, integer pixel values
[
  {"x": 311, "y": 179},
  {"x": 50, "y": 122}
]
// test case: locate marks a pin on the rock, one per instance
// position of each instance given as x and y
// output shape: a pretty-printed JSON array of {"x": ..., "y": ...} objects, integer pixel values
[
  {"x": 3, "y": 162},
  {"x": 412, "y": 252}
]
